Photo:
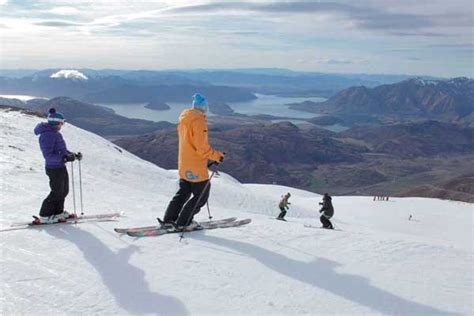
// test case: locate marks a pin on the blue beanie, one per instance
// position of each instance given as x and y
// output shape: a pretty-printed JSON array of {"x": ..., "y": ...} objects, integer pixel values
[
  {"x": 199, "y": 102},
  {"x": 54, "y": 118}
]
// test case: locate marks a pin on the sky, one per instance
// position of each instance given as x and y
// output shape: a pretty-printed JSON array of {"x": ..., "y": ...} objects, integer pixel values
[{"x": 416, "y": 37}]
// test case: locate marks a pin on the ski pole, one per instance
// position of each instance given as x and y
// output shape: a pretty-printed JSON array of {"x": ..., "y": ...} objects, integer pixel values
[
  {"x": 208, "y": 211},
  {"x": 73, "y": 191},
  {"x": 198, "y": 200},
  {"x": 80, "y": 186}
]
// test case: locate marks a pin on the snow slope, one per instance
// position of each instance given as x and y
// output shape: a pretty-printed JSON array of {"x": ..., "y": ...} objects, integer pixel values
[
  {"x": 379, "y": 263},
  {"x": 69, "y": 74}
]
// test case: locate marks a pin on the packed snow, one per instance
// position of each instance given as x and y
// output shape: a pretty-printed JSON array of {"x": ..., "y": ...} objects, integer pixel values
[
  {"x": 378, "y": 262},
  {"x": 69, "y": 74}
]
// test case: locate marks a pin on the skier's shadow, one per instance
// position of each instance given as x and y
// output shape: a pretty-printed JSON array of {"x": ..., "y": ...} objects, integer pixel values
[
  {"x": 126, "y": 282},
  {"x": 321, "y": 273}
]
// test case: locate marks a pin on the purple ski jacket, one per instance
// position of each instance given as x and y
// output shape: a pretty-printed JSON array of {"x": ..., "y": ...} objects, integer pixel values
[{"x": 52, "y": 145}]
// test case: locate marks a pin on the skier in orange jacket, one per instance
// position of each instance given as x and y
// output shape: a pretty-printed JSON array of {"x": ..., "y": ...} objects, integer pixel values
[{"x": 194, "y": 153}]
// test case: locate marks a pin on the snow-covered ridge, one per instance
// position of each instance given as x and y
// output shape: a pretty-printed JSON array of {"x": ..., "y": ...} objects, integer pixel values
[
  {"x": 379, "y": 263},
  {"x": 69, "y": 74},
  {"x": 424, "y": 82},
  {"x": 22, "y": 98},
  {"x": 427, "y": 82}
]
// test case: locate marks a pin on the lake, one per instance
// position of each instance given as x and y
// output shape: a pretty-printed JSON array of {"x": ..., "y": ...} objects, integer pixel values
[
  {"x": 264, "y": 104},
  {"x": 274, "y": 105}
]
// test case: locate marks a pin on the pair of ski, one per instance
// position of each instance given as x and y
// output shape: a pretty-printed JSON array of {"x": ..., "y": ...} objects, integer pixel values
[
  {"x": 147, "y": 231},
  {"x": 106, "y": 217}
]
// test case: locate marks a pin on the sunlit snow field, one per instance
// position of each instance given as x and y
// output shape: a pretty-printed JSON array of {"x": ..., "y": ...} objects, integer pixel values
[{"x": 379, "y": 262}]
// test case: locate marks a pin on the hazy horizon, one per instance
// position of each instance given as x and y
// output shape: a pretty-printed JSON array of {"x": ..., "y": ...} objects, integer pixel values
[{"x": 242, "y": 69}]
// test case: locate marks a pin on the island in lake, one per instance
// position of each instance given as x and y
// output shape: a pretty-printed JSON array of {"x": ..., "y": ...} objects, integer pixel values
[{"x": 157, "y": 105}]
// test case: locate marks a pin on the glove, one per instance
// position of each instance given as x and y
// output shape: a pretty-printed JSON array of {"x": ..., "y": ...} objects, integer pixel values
[
  {"x": 69, "y": 157},
  {"x": 221, "y": 159},
  {"x": 78, "y": 156}
]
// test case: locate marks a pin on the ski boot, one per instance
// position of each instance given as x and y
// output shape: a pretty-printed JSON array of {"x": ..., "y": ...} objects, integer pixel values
[
  {"x": 48, "y": 219},
  {"x": 192, "y": 226},
  {"x": 165, "y": 225},
  {"x": 66, "y": 215}
]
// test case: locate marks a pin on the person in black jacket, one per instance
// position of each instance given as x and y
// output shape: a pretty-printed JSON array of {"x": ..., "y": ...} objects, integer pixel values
[{"x": 327, "y": 212}]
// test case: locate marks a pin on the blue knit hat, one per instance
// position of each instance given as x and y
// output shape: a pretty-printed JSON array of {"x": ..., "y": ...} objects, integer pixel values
[
  {"x": 54, "y": 118},
  {"x": 199, "y": 102}
]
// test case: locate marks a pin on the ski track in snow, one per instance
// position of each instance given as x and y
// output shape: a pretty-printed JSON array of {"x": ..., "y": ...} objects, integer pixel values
[{"x": 379, "y": 263}]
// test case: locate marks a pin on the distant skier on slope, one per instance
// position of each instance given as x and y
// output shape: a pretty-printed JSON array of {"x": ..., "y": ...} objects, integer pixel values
[
  {"x": 284, "y": 206},
  {"x": 55, "y": 153},
  {"x": 327, "y": 211},
  {"x": 193, "y": 155}
]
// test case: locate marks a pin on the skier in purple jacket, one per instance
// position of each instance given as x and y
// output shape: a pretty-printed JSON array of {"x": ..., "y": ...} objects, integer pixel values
[{"x": 56, "y": 155}]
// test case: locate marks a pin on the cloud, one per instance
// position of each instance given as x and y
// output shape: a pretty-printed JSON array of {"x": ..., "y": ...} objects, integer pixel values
[
  {"x": 312, "y": 34},
  {"x": 452, "y": 46},
  {"x": 65, "y": 11},
  {"x": 239, "y": 33},
  {"x": 332, "y": 61},
  {"x": 462, "y": 49},
  {"x": 392, "y": 18},
  {"x": 365, "y": 17},
  {"x": 425, "y": 34},
  {"x": 57, "y": 23}
]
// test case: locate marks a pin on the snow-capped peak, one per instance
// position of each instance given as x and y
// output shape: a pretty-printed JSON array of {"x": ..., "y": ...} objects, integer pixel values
[
  {"x": 424, "y": 82},
  {"x": 69, "y": 74}
]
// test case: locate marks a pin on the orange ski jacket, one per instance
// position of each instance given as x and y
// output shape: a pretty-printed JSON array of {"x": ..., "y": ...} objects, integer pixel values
[{"x": 194, "y": 149}]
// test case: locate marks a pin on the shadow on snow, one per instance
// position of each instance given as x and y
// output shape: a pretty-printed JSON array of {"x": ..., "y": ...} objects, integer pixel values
[
  {"x": 125, "y": 282},
  {"x": 321, "y": 273}
]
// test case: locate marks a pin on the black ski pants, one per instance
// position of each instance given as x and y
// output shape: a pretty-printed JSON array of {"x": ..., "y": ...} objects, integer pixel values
[
  {"x": 326, "y": 222},
  {"x": 180, "y": 209},
  {"x": 283, "y": 213},
  {"x": 59, "y": 184}
]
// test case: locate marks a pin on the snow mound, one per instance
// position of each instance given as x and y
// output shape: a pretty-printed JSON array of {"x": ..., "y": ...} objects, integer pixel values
[
  {"x": 69, "y": 74},
  {"x": 379, "y": 262}
]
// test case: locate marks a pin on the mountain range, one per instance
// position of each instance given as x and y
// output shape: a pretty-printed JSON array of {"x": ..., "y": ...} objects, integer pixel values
[
  {"x": 448, "y": 100},
  {"x": 115, "y": 89},
  {"x": 94, "y": 118},
  {"x": 219, "y": 85},
  {"x": 364, "y": 159},
  {"x": 391, "y": 147}
]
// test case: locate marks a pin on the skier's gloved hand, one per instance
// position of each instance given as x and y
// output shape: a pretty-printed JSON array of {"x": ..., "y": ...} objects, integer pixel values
[
  {"x": 69, "y": 157},
  {"x": 78, "y": 156},
  {"x": 221, "y": 158}
]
